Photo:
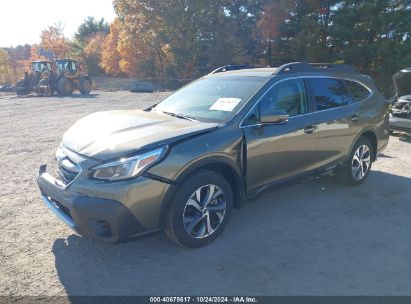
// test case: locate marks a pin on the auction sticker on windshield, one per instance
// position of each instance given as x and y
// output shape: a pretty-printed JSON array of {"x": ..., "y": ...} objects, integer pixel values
[{"x": 225, "y": 104}]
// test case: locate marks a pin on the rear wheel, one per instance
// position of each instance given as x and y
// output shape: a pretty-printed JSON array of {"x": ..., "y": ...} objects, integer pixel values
[
  {"x": 85, "y": 86},
  {"x": 64, "y": 86},
  {"x": 200, "y": 210},
  {"x": 358, "y": 165}
]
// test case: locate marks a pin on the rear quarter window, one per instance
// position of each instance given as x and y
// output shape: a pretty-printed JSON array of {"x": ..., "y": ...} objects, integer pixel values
[
  {"x": 329, "y": 93},
  {"x": 358, "y": 91}
]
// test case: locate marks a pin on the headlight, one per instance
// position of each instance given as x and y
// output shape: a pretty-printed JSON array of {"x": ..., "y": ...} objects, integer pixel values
[{"x": 128, "y": 167}]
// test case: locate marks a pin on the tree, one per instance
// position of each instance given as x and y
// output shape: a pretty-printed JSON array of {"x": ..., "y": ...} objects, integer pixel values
[
  {"x": 92, "y": 54},
  {"x": 90, "y": 28},
  {"x": 52, "y": 39},
  {"x": 269, "y": 25},
  {"x": 187, "y": 38},
  {"x": 36, "y": 54},
  {"x": 143, "y": 37},
  {"x": 6, "y": 75},
  {"x": 87, "y": 45},
  {"x": 110, "y": 57},
  {"x": 375, "y": 36}
]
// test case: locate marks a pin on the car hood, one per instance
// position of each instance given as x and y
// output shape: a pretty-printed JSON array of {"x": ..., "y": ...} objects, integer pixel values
[
  {"x": 112, "y": 134},
  {"x": 402, "y": 82}
]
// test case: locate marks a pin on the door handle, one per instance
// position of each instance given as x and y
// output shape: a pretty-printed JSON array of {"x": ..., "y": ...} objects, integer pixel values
[
  {"x": 354, "y": 117},
  {"x": 310, "y": 129}
]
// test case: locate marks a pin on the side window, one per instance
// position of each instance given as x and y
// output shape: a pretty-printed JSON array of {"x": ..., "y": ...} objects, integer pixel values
[
  {"x": 329, "y": 93},
  {"x": 288, "y": 96},
  {"x": 358, "y": 91},
  {"x": 253, "y": 117}
]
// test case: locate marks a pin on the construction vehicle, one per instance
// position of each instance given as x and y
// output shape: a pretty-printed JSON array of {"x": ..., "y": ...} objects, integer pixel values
[
  {"x": 69, "y": 78},
  {"x": 39, "y": 80}
]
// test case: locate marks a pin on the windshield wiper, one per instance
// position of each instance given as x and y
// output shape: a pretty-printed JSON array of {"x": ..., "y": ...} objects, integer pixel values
[{"x": 178, "y": 115}]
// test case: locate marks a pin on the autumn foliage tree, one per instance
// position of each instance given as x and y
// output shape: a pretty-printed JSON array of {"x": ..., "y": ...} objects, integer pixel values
[
  {"x": 188, "y": 38},
  {"x": 5, "y": 67},
  {"x": 182, "y": 38},
  {"x": 93, "y": 52},
  {"x": 53, "y": 39},
  {"x": 271, "y": 20},
  {"x": 13, "y": 62},
  {"x": 110, "y": 57},
  {"x": 141, "y": 42}
]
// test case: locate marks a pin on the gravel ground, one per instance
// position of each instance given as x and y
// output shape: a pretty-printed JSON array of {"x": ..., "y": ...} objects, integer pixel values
[{"x": 310, "y": 238}]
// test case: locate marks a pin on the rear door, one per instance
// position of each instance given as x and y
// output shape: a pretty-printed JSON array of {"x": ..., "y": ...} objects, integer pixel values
[
  {"x": 279, "y": 151},
  {"x": 337, "y": 116}
]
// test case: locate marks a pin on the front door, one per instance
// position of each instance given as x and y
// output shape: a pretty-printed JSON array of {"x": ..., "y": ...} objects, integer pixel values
[{"x": 278, "y": 151}]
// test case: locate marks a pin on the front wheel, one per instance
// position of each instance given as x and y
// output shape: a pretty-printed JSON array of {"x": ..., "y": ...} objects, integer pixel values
[
  {"x": 85, "y": 86},
  {"x": 358, "y": 165},
  {"x": 200, "y": 210}
]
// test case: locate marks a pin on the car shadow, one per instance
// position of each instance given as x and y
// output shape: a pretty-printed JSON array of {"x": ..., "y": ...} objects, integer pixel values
[
  {"x": 382, "y": 155},
  {"x": 403, "y": 136},
  {"x": 312, "y": 238}
]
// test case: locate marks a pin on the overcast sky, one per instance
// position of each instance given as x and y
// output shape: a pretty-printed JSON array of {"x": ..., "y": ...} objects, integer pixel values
[{"x": 21, "y": 21}]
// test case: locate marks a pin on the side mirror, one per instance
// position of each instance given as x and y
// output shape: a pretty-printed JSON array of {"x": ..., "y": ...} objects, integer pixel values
[{"x": 274, "y": 117}]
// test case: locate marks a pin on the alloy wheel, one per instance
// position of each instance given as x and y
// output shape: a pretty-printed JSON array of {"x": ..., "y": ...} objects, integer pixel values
[
  {"x": 204, "y": 211},
  {"x": 361, "y": 162}
]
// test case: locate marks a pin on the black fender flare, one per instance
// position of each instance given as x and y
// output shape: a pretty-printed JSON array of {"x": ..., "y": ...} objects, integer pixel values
[
  {"x": 189, "y": 170},
  {"x": 361, "y": 133}
]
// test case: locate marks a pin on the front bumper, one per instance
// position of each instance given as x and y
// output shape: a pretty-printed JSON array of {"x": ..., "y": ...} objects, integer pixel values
[{"x": 102, "y": 219}]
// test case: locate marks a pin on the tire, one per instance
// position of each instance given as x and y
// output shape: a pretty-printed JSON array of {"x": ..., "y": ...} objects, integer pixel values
[
  {"x": 355, "y": 172},
  {"x": 64, "y": 86},
  {"x": 20, "y": 88},
  {"x": 85, "y": 86},
  {"x": 43, "y": 88},
  {"x": 191, "y": 222}
]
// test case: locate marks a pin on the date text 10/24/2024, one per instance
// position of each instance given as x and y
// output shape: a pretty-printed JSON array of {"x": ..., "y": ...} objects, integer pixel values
[{"x": 203, "y": 299}]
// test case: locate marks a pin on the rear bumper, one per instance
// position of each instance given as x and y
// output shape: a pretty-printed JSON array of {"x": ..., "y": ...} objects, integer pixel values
[
  {"x": 101, "y": 219},
  {"x": 400, "y": 124}
]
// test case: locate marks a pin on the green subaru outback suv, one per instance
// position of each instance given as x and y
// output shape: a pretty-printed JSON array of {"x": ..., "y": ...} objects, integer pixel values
[{"x": 183, "y": 164}]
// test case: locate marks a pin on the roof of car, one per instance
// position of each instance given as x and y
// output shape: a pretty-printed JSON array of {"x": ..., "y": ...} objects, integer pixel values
[
  {"x": 256, "y": 72},
  {"x": 293, "y": 67}
]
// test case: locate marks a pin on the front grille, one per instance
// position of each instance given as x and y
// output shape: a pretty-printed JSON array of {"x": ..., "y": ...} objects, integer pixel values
[
  {"x": 67, "y": 170},
  {"x": 58, "y": 205},
  {"x": 61, "y": 207}
]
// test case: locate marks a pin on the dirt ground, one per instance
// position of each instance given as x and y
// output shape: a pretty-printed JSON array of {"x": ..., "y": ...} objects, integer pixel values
[{"x": 310, "y": 238}]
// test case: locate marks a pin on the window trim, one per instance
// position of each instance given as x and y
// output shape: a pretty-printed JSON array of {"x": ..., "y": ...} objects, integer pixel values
[
  {"x": 370, "y": 92},
  {"x": 313, "y": 106}
]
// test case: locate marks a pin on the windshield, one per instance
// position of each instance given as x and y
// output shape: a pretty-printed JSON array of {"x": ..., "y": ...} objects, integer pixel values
[
  {"x": 211, "y": 99},
  {"x": 66, "y": 65},
  {"x": 40, "y": 66},
  {"x": 36, "y": 66}
]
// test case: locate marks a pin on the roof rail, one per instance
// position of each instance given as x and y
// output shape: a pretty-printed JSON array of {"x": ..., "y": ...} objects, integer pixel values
[
  {"x": 227, "y": 68},
  {"x": 316, "y": 67}
]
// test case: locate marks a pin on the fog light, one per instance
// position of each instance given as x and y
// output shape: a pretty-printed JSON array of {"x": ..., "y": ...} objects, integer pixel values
[{"x": 102, "y": 228}]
